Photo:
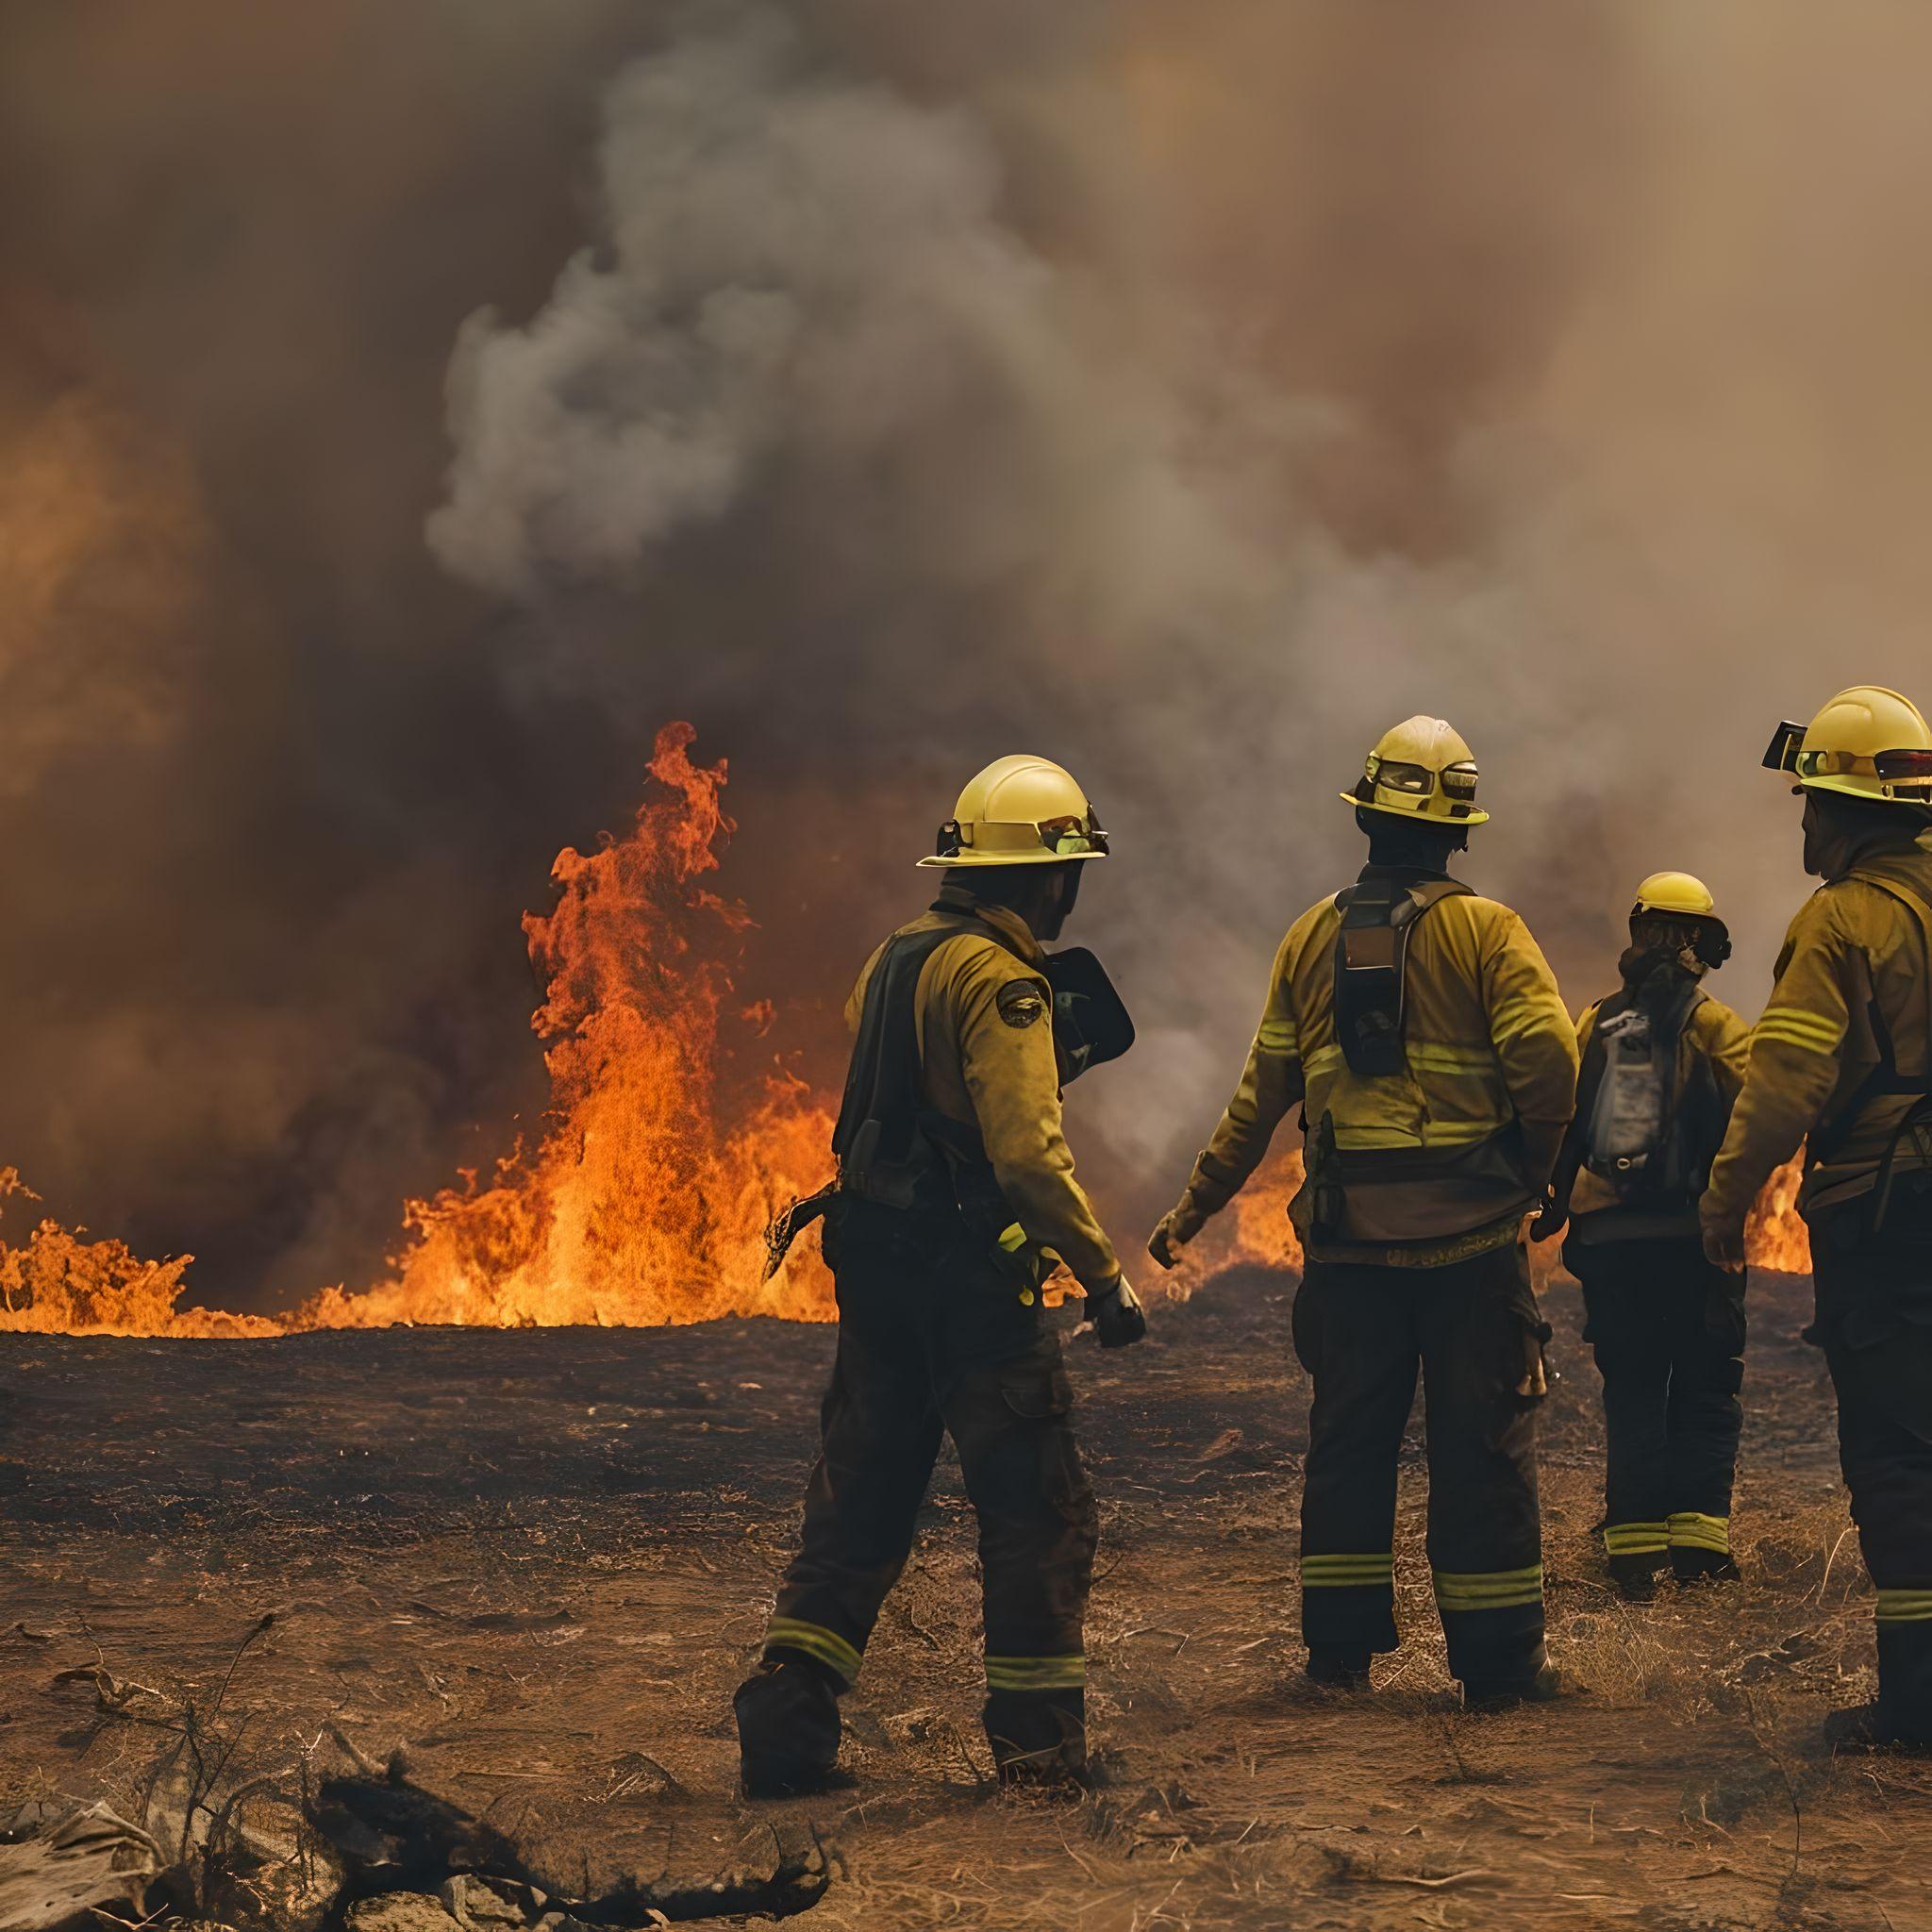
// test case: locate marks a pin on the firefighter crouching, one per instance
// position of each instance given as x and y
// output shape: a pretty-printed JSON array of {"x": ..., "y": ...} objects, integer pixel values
[
  {"x": 1663, "y": 1063},
  {"x": 1421, "y": 1033},
  {"x": 955, "y": 1190},
  {"x": 1842, "y": 1060}
]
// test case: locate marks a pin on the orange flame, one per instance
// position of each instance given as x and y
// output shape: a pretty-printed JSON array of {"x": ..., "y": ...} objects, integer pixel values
[
  {"x": 636, "y": 1208},
  {"x": 61, "y": 1284},
  {"x": 1253, "y": 1232},
  {"x": 1256, "y": 1231},
  {"x": 1775, "y": 1235}
]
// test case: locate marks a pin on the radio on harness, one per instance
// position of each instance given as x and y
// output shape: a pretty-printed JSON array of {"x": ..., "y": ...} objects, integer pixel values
[{"x": 1370, "y": 966}]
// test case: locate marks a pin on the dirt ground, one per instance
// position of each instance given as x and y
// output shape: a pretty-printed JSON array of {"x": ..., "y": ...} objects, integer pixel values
[{"x": 539, "y": 1561}]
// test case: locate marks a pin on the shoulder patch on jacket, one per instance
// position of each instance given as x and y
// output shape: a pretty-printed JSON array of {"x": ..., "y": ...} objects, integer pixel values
[{"x": 1021, "y": 1002}]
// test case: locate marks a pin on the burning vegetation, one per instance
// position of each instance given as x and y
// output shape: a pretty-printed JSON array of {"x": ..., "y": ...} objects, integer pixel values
[
  {"x": 640, "y": 1205},
  {"x": 645, "y": 1200}
]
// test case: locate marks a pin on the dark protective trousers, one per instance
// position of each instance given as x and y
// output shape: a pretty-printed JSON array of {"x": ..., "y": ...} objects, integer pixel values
[
  {"x": 1668, "y": 1329},
  {"x": 1363, "y": 1332},
  {"x": 1875, "y": 1318},
  {"x": 933, "y": 1336}
]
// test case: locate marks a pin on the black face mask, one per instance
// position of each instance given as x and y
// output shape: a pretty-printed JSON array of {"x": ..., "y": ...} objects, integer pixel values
[
  {"x": 1048, "y": 924},
  {"x": 1665, "y": 964},
  {"x": 1839, "y": 832}
]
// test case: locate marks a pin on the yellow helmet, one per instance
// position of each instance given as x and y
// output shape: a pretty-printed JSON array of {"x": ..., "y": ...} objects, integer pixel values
[
  {"x": 1019, "y": 811},
  {"x": 1422, "y": 769},
  {"x": 1674, "y": 891},
  {"x": 1867, "y": 742}
]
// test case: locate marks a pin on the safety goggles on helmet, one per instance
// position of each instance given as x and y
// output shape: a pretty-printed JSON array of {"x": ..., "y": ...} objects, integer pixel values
[
  {"x": 1068, "y": 837},
  {"x": 1787, "y": 754},
  {"x": 1419, "y": 781},
  {"x": 1394, "y": 775},
  {"x": 1892, "y": 765}
]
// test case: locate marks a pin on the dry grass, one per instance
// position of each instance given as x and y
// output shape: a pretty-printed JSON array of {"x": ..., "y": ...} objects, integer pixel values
[{"x": 546, "y": 1588}]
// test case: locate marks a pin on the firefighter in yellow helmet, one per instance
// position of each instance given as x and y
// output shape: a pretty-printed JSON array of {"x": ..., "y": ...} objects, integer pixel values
[
  {"x": 955, "y": 1195},
  {"x": 1841, "y": 1060},
  {"x": 1421, "y": 1033},
  {"x": 1663, "y": 1063}
]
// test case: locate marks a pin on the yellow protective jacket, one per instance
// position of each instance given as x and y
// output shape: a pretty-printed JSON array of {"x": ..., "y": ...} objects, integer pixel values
[
  {"x": 983, "y": 1024},
  {"x": 1490, "y": 1047},
  {"x": 1713, "y": 1037},
  {"x": 1853, "y": 975}
]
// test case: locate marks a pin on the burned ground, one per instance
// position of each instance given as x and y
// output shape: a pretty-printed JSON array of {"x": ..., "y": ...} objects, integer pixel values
[{"x": 535, "y": 1564}]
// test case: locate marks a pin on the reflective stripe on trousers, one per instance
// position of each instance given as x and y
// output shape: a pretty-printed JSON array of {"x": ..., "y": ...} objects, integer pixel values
[
  {"x": 1490, "y": 1590},
  {"x": 1690, "y": 1530},
  {"x": 1637, "y": 1539},
  {"x": 813, "y": 1640},
  {"x": 1036, "y": 1672}
]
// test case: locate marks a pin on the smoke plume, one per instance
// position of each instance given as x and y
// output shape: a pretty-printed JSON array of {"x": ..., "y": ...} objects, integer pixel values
[{"x": 1184, "y": 392}]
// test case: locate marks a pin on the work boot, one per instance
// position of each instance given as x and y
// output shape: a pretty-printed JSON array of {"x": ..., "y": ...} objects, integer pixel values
[
  {"x": 1636, "y": 1575},
  {"x": 1039, "y": 1738},
  {"x": 1694, "y": 1566},
  {"x": 788, "y": 1729},
  {"x": 1338, "y": 1666},
  {"x": 1868, "y": 1728},
  {"x": 1545, "y": 1685}
]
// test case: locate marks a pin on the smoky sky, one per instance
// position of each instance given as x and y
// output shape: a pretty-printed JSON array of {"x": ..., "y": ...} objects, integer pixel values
[{"x": 403, "y": 410}]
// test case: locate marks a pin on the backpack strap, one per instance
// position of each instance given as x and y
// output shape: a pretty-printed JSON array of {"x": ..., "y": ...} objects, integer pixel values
[
  {"x": 1378, "y": 914},
  {"x": 1589, "y": 1077},
  {"x": 890, "y": 1147}
]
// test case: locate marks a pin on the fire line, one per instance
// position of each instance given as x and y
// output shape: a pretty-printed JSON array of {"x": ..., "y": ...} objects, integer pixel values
[{"x": 640, "y": 1205}]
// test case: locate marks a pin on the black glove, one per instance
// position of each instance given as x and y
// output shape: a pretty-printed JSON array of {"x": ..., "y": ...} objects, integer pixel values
[
  {"x": 1117, "y": 1315},
  {"x": 1177, "y": 1228},
  {"x": 1551, "y": 1219}
]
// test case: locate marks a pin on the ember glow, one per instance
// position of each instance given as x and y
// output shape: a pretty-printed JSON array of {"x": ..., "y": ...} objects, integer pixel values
[
  {"x": 644, "y": 1203},
  {"x": 641, "y": 1205},
  {"x": 1255, "y": 1232}
]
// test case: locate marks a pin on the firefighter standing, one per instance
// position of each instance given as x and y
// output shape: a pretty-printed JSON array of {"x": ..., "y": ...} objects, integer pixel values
[
  {"x": 1421, "y": 1032},
  {"x": 1842, "y": 1060},
  {"x": 1663, "y": 1063},
  {"x": 955, "y": 1189}
]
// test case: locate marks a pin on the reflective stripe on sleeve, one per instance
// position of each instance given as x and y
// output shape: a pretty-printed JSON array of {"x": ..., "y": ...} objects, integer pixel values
[
  {"x": 1437, "y": 1056},
  {"x": 815, "y": 1640},
  {"x": 1036, "y": 1672},
  {"x": 1690, "y": 1530},
  {"x": 1793, "y": 1026},
  {"x": 1278, "y": 1036},
  {"x": 1490, "y": 1590}
]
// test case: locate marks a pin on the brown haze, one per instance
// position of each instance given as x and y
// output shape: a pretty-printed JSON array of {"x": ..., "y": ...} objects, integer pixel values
[{"x": 404, "y": 411}]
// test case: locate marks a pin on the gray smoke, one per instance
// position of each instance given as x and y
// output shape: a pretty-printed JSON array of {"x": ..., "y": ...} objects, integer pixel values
[{"x": 1186, "y": 392}]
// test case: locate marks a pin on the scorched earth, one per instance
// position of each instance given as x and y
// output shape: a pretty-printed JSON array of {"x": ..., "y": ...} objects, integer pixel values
[{"x": 515, "y": 1575}]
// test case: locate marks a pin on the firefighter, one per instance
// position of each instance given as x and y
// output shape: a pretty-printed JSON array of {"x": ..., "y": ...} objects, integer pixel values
[
  {"x": 1841, "y": 1060},
  {"x": 955, "y": 1193},
  {"x": 1422, "y": 1034},
  {"x": 1663, "y": 1063}
]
